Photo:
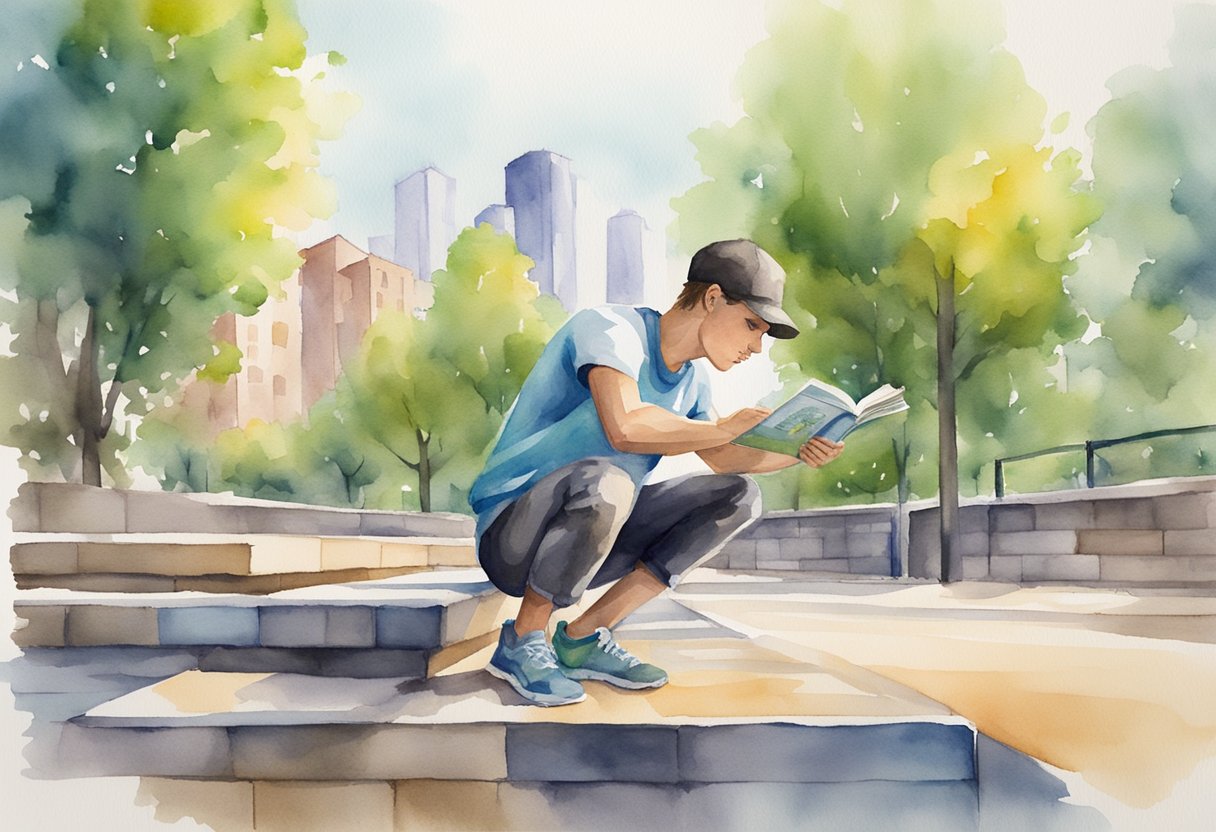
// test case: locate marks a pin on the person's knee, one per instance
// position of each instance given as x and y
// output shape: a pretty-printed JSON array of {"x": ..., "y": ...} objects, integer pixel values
[{"x": 743, "y": 494}]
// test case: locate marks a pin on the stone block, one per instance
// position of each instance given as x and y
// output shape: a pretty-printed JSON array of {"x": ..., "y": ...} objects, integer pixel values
[
  {"x": 867, "y": 545},
  {"x": 1028, "y": 543},
  {"x": 924, "y": 545},
  {"x": 1011, "y": 518},
  {"x": 417, "y": 627},
  {"x": 452, "y": 555},
  {"x": 279, "y": 554},
  {"x": 782, "y": 564},
  {"x": 217, "y": 804},
  {"x": 243, "y": 584},
  {"x": 869, "y": 566},
  {"x": 294, "y": 807},
  {"x": 824, "y": 565},
  {"x": 767, "y": 550},
  {"x": 1004, "y": 568},
  {"x": 350, "y": 627},
  {"x": 565, "y": 753},
  {"x": 233, "y": 626},
  {"x": 742, "y": 560},
  {"x": 166, "y": 558},
  {"x": 23, "y": 510},
  {"x": 352, "y": 553},
  {"x": 449, "y": 805},
  {"x": 69, "y": 507},
  {"x": 51, "y": 558},
  {"x": 1190, "y": 542},
  {"x": 1180, "y": 570},
  {"x": 778, "y": 528},
  {"x": 163, "y": 752},
  {"x": 100, "y": 583},
  {"x": 40, "y": 626},
  {"x": 1077, "y": 514},
  {"x": 975, "y": 569},
  {"x": 835, "y": 542},
  {"x": 795, "y": 548},
  {"x": 821, "y": 525},
  {"x": 1060, "y": 568},
  {"x": 403, "y": 554},
  {"x": 718, "y": 561},
  {"x": 1121, "y": 542},
  {"x": 100, "y": 626},
  {"x": 739, "y": 546},
  {"x": 1183, "y": 511},
  {"x": 1123, "y": 514},
  {"x": 291, "y": 626},
  {"x": 974, "y": 544},
  {"x": 370, "y": 752},
  {"x": 973, "y": 519},
  {"x": 912, "y": 751}
]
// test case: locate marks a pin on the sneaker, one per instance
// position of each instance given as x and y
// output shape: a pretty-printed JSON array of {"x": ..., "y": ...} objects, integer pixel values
[
  {"x": 599, "y": 657},
  {"x": 528, "y": 664}
]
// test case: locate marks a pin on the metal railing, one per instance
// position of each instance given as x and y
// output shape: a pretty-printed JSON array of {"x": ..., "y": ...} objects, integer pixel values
[{"x": 1091, "y": 447}]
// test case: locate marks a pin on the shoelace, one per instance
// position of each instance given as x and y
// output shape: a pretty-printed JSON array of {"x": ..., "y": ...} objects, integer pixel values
[
  {"x": 615, "y": 650},
  {"x": 542, "y": 654}
]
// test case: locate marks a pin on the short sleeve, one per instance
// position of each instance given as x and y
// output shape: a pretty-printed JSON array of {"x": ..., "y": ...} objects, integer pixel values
[
  {"x": 602, "y": 338},
  {"x": 702, "y": 406}
]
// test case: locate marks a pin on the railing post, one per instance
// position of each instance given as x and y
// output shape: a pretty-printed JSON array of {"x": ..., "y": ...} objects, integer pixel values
[
  {"x": 999, "y": 465},
  {"x": 1089, "y": 463}
]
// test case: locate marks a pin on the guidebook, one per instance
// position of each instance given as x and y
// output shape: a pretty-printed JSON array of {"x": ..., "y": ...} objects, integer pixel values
[{"x": 819, "y": 409}]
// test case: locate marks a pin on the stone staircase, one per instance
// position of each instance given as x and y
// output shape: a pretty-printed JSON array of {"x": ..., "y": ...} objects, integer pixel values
[{"x": 367, "y": 702}]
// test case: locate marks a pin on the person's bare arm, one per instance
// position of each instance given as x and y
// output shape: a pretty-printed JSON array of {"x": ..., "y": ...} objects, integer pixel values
[
  {"x": 740, "y": 459},
  {"x": 634, "y": 426}
]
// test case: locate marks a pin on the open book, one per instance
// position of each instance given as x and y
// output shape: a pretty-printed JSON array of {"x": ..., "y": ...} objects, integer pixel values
[{"x": 819, "y": 409}]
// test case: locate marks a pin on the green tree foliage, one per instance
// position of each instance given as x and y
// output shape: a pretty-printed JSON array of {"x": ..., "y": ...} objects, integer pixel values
[
  {"x": 149, "y": 164},
  {"x": 434, "y": 392},
  {"x": 891, "y": 158},
  {"x": 1150, "y": 277},
  {"x": 413, "y": 414}
]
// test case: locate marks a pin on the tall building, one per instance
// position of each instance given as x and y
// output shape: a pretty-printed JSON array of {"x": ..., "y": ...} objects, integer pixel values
[
  {"x": 367, "y": 288},
  {"x": 541, "y": 191},
  {"x": 324, "y": 291},
  {"x": 382, "y": 246},
  {"x": 500, "y": 217},
  {"x": 425, "y": 221},
  {"x": 626, "y": 258}
]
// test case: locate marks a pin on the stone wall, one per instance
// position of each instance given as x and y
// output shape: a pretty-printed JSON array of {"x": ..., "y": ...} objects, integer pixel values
[
  {"x": 1146, "y": 533},
  {"x": 84, "y": 509},
  {"x": 853, "y": 540}
]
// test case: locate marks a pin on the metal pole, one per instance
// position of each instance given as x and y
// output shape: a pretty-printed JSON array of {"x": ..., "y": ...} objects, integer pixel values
[
  {"x": 1089, "y": 463},
  {"x": 1000, "y": 478}
]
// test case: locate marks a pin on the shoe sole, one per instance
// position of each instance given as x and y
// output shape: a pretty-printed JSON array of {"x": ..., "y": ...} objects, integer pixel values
[
  {"x": 581, "y": 675},
  {"x": 534, "y": 698}
]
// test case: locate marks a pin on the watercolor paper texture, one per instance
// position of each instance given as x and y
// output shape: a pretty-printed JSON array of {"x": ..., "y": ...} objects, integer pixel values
[{"x": 273, "y": 274}]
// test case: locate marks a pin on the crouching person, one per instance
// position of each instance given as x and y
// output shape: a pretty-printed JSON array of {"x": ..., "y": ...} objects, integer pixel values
[{"x": 560, "y": 505}]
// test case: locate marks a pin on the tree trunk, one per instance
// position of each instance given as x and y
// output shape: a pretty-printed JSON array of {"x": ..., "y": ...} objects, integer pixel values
[
  {"x": 88, "y": 404},
  {"x": 424, "y": 471},
  {"x": 947, "y": 429}
]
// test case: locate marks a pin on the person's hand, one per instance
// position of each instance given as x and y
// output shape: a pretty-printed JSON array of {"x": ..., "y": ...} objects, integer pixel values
[
  {"x": 741, "y": 421},
  {"x": 820, "y": 451}
]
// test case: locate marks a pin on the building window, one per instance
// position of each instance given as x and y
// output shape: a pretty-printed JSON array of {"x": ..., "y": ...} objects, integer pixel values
[
  {"x": 384, "y": 280},
  {"x": 280, "y": 385},
  {"x": 278, "y": 334},
  {"x": 255, "y": 375},
  {"x": 253, "y": 332},
  {"x": 379, "y": 300},
  {"x": 251, "y": 351}
]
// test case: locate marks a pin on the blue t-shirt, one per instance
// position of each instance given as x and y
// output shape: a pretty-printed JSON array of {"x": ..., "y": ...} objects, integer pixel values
[{"x": 554, "y": 421}]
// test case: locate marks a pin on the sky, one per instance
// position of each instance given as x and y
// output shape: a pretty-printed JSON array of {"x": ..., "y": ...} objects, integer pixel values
[{"x": 468, "y": 85}]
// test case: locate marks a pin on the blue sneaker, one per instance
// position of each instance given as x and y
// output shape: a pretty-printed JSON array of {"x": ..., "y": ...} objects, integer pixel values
[
  {"x": 528, "y": 664},
  {"x": 599, "y": 657}
]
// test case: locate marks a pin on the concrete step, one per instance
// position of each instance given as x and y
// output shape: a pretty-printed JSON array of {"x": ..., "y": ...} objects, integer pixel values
[
  {"x": 735, "y": 711},
  {"x": 223, "y": 563},
  {"x": 404, "y": 626},
  {"x": 71, "y": 507}
]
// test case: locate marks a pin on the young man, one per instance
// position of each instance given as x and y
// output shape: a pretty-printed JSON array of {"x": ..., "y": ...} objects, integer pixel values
[{"x": 561, "y": 506}]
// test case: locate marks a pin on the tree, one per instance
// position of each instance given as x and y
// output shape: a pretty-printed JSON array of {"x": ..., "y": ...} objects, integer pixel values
[
  {"x": 891, "y": 159},
  {"x": 434, "y": 392},
  {"x": 1150, "y": 279},
  {"x": 152, "y": 160}
]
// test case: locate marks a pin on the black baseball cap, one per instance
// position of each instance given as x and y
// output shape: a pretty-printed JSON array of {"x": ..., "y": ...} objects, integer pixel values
[{"x": 748, "y": 273}]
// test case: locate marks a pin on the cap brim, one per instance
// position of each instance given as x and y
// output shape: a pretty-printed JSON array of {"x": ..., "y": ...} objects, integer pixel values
[{"x": 779, "y": 323}]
